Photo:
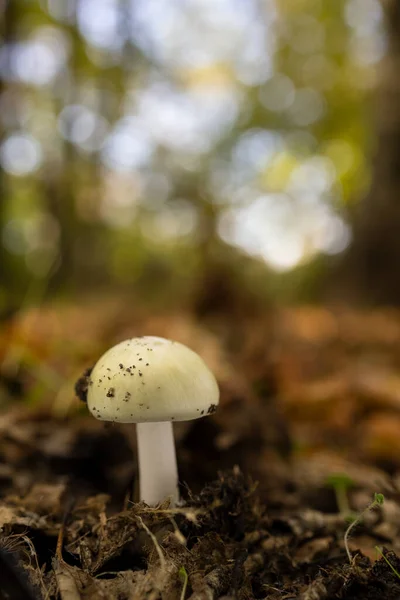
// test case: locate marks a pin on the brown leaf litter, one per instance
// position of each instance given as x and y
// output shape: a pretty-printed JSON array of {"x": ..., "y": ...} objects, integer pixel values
[{"x": 308, "y": 396}]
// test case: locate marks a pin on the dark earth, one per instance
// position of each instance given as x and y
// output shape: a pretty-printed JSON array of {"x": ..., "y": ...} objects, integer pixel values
[{"x": 307, "y": 432}]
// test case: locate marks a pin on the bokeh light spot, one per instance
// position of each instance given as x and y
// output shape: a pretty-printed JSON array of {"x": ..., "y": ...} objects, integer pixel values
[
  {"x": 20, "y": 154},
  {"x": 39, "y": 60},
  {"x": 82, "y": 126},
  {"x": 307, "y": 108},
  {"x": 278, "y": 93},
  {"x": 128, "y": 146}
]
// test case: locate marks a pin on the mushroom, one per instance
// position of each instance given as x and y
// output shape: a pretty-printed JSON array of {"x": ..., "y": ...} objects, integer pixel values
[{"x": 152, "y": 381}]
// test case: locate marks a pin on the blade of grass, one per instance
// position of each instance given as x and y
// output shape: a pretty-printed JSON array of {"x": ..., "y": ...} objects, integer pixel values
[{"x": 387, "y": 561}]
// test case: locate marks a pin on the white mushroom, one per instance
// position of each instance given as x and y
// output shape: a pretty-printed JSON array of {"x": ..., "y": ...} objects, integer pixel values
[{"x": 152, "y": 381}]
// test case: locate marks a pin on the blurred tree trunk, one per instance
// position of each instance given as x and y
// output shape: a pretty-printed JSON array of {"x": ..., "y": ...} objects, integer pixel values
[
  {"x": 371, "y": 268},
  {"x": 60, "y": 186},
  {"x": 8, "y": 23}
]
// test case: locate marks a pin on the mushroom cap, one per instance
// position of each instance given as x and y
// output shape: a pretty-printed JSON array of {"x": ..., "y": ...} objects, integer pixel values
[{"x": 150, "y": 379}]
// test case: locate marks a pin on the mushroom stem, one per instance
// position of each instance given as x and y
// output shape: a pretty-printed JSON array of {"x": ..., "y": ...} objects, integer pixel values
[{"x": 158, "y": 470}]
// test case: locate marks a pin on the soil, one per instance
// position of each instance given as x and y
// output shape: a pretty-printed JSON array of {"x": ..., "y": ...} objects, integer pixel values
[{"x": 306, "y": 434}]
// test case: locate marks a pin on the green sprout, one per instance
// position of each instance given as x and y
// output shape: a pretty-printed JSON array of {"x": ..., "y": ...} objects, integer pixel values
[
  {"x": 377, "y": 501},
  {"x": 183, "y": 576},
  {"x": 341, "y": 483}
]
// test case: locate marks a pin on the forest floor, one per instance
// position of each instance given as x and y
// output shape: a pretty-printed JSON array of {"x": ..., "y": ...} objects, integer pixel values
[{"x": 308, "y": 431}]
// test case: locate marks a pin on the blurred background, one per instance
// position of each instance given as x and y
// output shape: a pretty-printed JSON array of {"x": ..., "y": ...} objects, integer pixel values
[{"x": 163, "y": 146}]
